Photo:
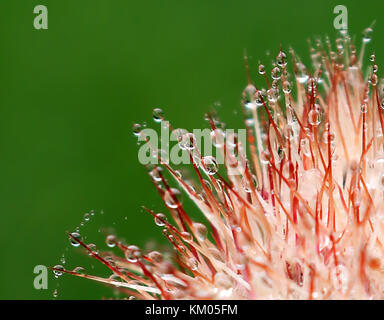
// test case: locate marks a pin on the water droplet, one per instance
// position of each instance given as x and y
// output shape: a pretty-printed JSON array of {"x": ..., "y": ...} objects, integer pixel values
[
  {"x": 265, "y": 157},
  {"x": 314, "y": 117},
  {"x": 207, "y": 184},
  {"x": 55, "y": 293},
  {"x": 367, "y": 35},
  {"x": 58, "y": 270},
  {"x": 273, "y": 95},
  {"x": 86, "y": 217},
  {"x": 281, "y": 59},
  {"x": 156, "y": 173},
  {"x": 259, "y": 99},
  {"x": 133, "y": 253},
  {"x": 201, "y": 231},
  {"x": 130, "y": 256},
  {"x": 210, "y": 165},
  {"x": 216, "y": 254},
  {"x": 249, "y": 93},
  {"x": 75, "y": 236},
  {"x": 287, "y": 87},
  {"x": 217, "y": 137},
  {"x": 364, "y": 108},
  {"x": 178, "y": 174},
  {"x": 291, "y": 116},
  {"x": 181, "y": 248},
  {"x": 159, "y": 219},
  {"x": 261, "y": 69},
  {"x": 166, "y": 232},
  {"x": 187, "y": 141},
  {"x": 136, "y": 128},
  {"x": 275, "y": 73},
  {"x": 186, "y": 236},
  {"x": 110, "y": 260},
  {"x": 79, "y": 270},
  {"x": 111, "y": 241},
  {"x": 158, "y": 115},
  {"x": 155, "y": 256},
  {"x": 93, "y": 247},
  {"x": 372, "y": 58},
  {"x": 373, "y": 79},
  {"x": 173, "y": 198},
  {"x": 302, "y": 76}
]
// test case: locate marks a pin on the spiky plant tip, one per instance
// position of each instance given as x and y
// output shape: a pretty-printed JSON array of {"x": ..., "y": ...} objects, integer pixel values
[{"x": 301, "y": 217}]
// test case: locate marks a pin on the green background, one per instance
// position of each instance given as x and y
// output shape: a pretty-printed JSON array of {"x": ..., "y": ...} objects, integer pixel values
[{"x": 70, "y": 94}]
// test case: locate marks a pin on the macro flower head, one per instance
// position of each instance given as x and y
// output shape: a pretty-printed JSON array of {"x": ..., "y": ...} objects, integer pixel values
[{"x": 293, "y": 212}]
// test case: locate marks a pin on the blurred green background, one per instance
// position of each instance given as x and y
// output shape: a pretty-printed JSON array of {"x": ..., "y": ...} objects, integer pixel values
[{"x": 70, "y": 94}]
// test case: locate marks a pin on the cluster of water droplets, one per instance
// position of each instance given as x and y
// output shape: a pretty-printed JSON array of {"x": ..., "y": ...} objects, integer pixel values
[{"x": 74, "y": 239}]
